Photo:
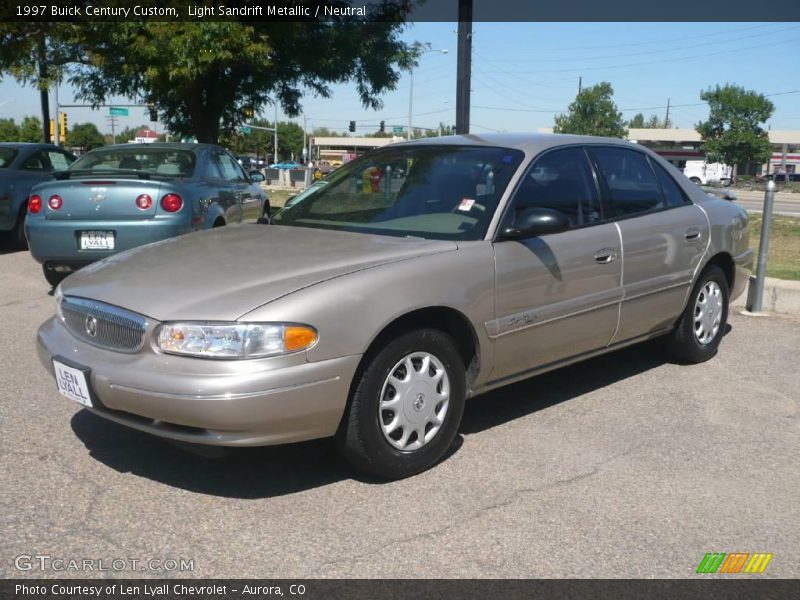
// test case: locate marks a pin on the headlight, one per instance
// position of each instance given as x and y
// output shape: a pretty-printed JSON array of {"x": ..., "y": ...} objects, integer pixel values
[{"x": 245, "y": 340}]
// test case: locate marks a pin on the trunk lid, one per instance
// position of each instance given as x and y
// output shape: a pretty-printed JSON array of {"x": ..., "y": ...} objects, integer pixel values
[{"x": 100, "y": 198}]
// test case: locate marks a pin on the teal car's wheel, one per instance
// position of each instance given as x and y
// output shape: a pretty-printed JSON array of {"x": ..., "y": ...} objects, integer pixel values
[
  {"x": 406, "y": 406},
  {"x": 52, "y": 275}
]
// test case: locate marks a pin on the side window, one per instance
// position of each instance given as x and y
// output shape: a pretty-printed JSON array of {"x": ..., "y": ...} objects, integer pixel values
[
  {"x": 632, "y": 185},
  {"x": 673, "y": 193},
  {"x": 37, "y": 162},
  {"x": 560, "y": 180},
  {"x": 231, "y": 171},
  {"x": 59, "y": 160}
]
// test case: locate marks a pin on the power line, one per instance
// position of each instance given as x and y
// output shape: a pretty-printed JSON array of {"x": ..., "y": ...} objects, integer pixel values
[{"x": 658, "y": 51}]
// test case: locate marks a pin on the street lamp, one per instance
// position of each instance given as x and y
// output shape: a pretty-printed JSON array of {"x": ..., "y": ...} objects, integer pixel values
[{"x": 411, "y": 89}]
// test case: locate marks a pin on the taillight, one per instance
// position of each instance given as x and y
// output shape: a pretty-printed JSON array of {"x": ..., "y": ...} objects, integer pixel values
[
  {"x": 172, "y": 203},
  {"x": 34, "y": 204},
  {"x": 55, "y": 202},
  {"x": 144, "y": 202}
]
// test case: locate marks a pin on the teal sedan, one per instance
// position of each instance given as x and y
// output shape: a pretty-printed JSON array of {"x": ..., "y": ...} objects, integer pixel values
[{"x": 119, "y": 197}]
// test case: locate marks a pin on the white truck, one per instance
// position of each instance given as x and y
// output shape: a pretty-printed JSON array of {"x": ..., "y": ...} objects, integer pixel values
[{"x": 705, "y": 173}]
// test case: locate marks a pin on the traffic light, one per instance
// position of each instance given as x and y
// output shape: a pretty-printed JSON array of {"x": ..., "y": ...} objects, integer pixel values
[
  {"x": 249, "y": 112},
  {"x": 352, "y": 125},
  {"x": 52, "y": 129},
  {"x": 383, "y": 126},
  {"x": 63, "y": 126},
  {"x": 153, "y": 112}
]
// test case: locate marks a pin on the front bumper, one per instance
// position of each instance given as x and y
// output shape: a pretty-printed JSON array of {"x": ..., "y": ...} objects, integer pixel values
[
  {"x": 58, "y": 242},
  {"x": 228, "y": 403}
]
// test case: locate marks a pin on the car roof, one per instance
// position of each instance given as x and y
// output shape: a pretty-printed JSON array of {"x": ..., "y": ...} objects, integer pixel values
[
  {"x": 527, "y": 142},
  {"x": 160, "y": 145}
]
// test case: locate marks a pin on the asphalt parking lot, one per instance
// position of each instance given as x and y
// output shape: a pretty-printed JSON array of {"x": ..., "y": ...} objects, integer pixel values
[{"x": 623, "y": 466}]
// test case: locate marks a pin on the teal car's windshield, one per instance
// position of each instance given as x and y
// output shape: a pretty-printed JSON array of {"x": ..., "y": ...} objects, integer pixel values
[
  {"x": 434, "y": 192},
  {"x": 168, "y": 162}
]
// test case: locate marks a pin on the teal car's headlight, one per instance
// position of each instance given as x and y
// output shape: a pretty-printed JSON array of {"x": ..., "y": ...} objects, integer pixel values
[{"x": 234, "y": 340}]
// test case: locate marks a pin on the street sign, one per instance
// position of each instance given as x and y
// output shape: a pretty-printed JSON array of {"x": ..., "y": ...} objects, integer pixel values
[
  {"x": 245, "y": 130},
  {"x": 116, "y": 111},
  {"x": 397, "y": 130}
]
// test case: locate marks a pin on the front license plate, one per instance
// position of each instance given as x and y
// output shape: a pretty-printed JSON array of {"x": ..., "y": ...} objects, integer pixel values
[
  {"x": 97, "y": 240},
  {"x": 72, "y": 383}
]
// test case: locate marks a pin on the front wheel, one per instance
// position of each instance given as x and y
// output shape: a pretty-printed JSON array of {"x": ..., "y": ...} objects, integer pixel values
[
  {"x": 406, "y": 406},
  {"x": 699, "y": 331}
]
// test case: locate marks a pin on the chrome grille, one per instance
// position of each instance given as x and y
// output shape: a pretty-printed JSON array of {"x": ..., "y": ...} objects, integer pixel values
[{"x": 113, "y": 328}]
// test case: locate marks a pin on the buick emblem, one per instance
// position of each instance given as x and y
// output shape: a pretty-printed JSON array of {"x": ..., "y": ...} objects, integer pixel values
[
  {"x": 91, "y": 326},
  {"x": 419, "y": 402}
]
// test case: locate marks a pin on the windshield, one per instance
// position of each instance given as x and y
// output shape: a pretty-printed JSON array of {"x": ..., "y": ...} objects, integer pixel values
[
  {"x": 155, "y": 161},
  {"x": 433, "y": 192},
  {"x": 7, "y": 157}
]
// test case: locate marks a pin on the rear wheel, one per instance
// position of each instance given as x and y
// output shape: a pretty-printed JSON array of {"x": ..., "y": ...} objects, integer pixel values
[
  {"x": 699, "y": 331},
  {"x": 695, "y": 180},
  {"x": 54, "y": 275},
  {"x": 406, "y": 406}
]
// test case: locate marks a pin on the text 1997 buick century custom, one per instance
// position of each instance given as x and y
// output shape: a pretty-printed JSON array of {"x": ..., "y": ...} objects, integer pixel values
[{"x": 466, "y": 263}]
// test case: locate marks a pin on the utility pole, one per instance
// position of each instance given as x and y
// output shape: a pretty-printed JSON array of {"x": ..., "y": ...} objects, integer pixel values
[
  {"x": 666, "y": 119},
  {"x": 113, "y": 121},
  {"x": 464, "y": 68},
  {"x": 580, "y": 87},
  {"x": 43, "y": 87},
  {"x": 57, "y": 122},
  {"x": 275, "y": 151}
]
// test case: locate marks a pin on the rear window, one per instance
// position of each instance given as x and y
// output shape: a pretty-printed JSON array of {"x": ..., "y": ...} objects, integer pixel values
[
  {"x": 6, "y": 157},
  {"x": 155, "y": 161}
]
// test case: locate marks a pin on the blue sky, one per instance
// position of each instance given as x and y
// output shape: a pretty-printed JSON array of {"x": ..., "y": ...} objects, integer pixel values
[{"x": 525, "y": 73}]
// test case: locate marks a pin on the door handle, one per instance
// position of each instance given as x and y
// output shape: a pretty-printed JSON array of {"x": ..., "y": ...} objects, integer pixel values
[
  {"x": 605, "y": 256},
  {"x": 692, "y": 234}
]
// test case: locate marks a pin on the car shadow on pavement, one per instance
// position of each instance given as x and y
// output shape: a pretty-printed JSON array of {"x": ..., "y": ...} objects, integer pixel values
[
  {"x": 252, "y": 473},
  {"x": 543, "y": 391},
  {"x": 246, "y": 473}
]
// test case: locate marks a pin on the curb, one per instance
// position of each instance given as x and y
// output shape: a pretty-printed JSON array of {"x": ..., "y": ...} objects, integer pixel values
[{"x": 780, "y": 296}]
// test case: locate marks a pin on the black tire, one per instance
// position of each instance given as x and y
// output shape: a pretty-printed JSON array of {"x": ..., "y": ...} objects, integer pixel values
[
  {"x": 19, "y": 229},
  {"x": 52, "y": 276},
  {"x": 695, "y": 180},
  {"x": 361, "y": 439},
  {"x": 683, "y": 342}
]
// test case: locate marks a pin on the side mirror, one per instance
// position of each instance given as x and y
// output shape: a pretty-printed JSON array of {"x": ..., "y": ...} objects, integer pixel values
[
  {"x": 257, "y": 176},
  {"x": 536, "y": 221}
]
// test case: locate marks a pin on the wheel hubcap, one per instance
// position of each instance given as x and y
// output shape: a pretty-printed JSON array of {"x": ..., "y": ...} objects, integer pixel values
[
  {"x": 414, "y": 401},
  {"x": 707, "y": 313}
]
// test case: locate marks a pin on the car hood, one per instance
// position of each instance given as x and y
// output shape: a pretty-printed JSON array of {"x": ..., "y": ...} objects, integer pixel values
[{"x": 223, "y": 273}]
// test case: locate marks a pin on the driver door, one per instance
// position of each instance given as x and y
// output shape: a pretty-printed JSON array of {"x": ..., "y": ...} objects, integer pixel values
[{"x": 556, "y": 295}]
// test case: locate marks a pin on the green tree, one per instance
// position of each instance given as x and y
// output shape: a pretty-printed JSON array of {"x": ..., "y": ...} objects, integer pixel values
[
  {"x": 732, "y": 134},
  {"x": 593, "y": 113},
  {"x": 325, "y": 132},
  {"x": 638, "y": 122},
  {"x": 36, "y": 53},
  {"x": 9, "y": 132},
  {"x": 86, "y": 136},
  {"x": 201, "y": 76},
  {"x": 30, "y": 130}
]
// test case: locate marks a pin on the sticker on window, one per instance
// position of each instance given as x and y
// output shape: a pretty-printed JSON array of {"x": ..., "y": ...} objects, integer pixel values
[{"x": 466, "y": 204}]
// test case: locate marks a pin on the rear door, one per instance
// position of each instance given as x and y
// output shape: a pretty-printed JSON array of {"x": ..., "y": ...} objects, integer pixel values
[
  {"x": 232, "y": 186},
  {"x": 664, "y": 237},
  {"x": 248, "y": 194},
  {"x": 557, "y": 295}
]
